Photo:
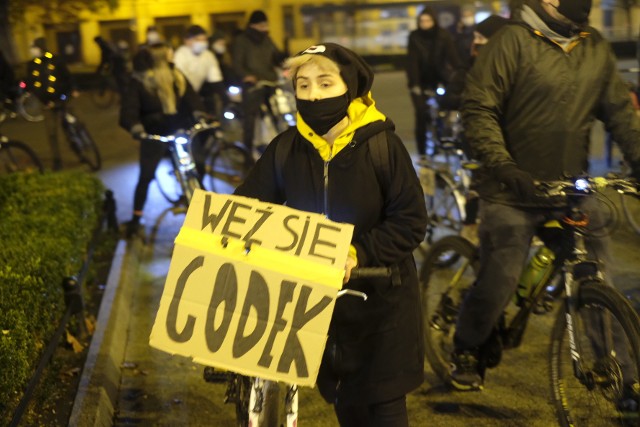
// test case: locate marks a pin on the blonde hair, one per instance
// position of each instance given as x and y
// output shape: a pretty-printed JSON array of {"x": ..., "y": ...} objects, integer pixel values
[
  {"x": 296, "y": 62},
  {"x": 161, "y": 79}
]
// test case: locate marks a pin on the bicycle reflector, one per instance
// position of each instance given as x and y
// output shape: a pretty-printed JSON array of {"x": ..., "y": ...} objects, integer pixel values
[
  {"x": 23, "y": 85},
  {"x": 582, "y": 184}
]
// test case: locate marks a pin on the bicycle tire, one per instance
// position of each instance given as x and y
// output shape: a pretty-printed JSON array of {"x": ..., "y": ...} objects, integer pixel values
[
  {"x": 441, "y": 297},
  {"x": 631, "y": 209},
  {"x": 594, "y": 403},
  {"x": 227, "y": 167},
  {"x": 445, "y": 208},
  {"x": 269, "y": 416},
  {"x": 30, "y": 107},
  {"x": 83, "y": 145},
  {"x": 104, "y": 96},
  {"x": 16, "y": 156},
  {"x": 167, "y": 182}
]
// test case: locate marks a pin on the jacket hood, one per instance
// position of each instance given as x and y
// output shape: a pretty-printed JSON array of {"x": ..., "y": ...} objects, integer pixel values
[
  {"x": 531, "y": 18},
  {"x": 361, "y": 112}
]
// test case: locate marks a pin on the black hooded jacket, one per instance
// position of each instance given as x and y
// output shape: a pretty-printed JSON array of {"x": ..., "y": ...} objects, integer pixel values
[
  {"x": 432, "y": 58},
  {"x": 375, "y": 350},
  {"x": 531, "y": 99}
]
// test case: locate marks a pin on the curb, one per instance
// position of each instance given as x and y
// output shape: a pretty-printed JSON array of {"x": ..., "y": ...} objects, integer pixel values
[{"x": 98, "y": 388}]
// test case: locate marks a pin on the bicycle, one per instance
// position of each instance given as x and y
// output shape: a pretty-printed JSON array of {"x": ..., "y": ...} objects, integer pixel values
[
  {"x": 630, "y": 206},
  {"x": 78, "y": 136},
  {"x": 22, "y": 103},
  {"x": 256, "y": 400},
  {"x": 16, "y": 156},
  {"x": 176, "y": 175},
  {"x": 227, "y": 163},
  {"x": 277, "y": 112},
  {"x": 585, "y": 371}
]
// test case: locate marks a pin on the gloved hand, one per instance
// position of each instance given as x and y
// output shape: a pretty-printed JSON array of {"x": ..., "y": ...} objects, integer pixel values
[
  {"x": 137, "y": 131},
  {"x": 518, "y": 181}
]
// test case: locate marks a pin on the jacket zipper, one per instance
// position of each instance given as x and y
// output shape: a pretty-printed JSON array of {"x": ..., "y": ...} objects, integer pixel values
[{"x": 326, "y": 183}]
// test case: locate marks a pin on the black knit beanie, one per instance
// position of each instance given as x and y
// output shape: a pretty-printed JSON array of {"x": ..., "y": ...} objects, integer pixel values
[
  {"x": 257, "y": 16},
  {"x": 193, "y": 31},
  {"x": 356, "y": 73},
  {"x": 491, "y": 25}
]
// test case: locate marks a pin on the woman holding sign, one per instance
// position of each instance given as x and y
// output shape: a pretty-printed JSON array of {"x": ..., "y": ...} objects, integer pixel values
[{"x": 344, "y": 160}]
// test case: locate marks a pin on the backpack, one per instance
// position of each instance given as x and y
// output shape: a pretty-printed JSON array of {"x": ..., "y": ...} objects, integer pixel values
[{"x": 378, "y": 148}]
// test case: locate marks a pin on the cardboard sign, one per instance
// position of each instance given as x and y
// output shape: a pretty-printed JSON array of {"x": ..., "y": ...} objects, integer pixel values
[{"x": 251, "y": 287}]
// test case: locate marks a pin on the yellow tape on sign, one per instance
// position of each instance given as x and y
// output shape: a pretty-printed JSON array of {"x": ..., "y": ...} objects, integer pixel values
[{"x": 263, "y": 312}]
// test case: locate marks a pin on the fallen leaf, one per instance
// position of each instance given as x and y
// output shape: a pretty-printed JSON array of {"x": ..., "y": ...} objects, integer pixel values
[
  {"x": 75, "y": 344},
  {"x": 90, "y": 323}
]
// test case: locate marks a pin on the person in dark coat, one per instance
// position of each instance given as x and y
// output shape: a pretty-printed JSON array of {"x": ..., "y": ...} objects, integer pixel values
[
  {"x": 49, "y": 79},
  {"x": 159, "y": 101},
  {"x": 431, "y": 61},
  {"x": 255, "y": 58},
  {"x": 374, "y": 353},
  {"x": 528, "y": 107},
  {"x": 8, "y": 83}
]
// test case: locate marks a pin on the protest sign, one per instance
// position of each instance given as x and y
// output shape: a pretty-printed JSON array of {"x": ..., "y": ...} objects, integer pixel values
[{"x": 251, "y": 287}]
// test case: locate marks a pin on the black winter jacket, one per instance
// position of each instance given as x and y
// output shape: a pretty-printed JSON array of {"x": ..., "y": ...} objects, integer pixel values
[
  {"x": 139, "y": 106},
  {"x": 256, "y": 54},
  {"x": 530, "y": 103},
  {"x": 374, "y": 351},
  {"x": 431, "y": 60}
]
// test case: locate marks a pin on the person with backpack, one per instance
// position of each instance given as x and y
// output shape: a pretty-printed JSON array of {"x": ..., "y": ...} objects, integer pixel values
[{"x": 344, "y": 160}]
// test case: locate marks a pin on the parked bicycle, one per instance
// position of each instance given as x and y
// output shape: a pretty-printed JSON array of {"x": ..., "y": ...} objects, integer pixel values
[
  {"x": 24, "y": 104},
  {"x": 16, "y": 156},
  {"x": 227, "y": 163},
  {"x": 596, "y": 326},
  {"x": 257, "y": 401}
]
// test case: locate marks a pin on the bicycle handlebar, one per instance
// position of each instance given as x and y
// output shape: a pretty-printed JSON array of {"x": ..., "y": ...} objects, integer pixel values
[
  {"x": 586, "y": 185},
  {"x": 188, "y": 134},
  {"x": 365, "y": 273}
]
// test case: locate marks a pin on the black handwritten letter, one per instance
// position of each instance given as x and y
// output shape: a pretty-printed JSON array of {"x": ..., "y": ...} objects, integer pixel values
[
  {"x": 172, "y": 315},
  {"x": 316, "y": 241},
  {"x": 212, "y": 219},
  {"x": 285, "y": 222},
  {"x": 304, "y": 235},
  {"x": 258, "y": 297},
  {"x": 266, "y": 213},
  {"x": 292, "y": 349},
  {"x": 233, "y": 218},
  {"x": 225, "y": 290},
  {"x": 286, "y": 295}
]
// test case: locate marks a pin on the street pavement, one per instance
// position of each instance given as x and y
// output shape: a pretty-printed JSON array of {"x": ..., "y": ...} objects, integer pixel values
[{"x": 159, "y": 389}]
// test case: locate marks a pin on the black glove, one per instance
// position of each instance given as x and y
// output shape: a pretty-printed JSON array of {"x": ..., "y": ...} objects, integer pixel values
[
  {"x": 518, "y": 181},
  {"x": 137, "y": 131}
]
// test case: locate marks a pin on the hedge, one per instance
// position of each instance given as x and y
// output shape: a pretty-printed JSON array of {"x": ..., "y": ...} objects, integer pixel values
[{"x": 46, "y": 224}]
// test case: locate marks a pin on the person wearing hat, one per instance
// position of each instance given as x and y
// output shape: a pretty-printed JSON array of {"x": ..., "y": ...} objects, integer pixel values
[
  {"x": 374, "y": 353},
  {"x": 431, "y": 61},
  {"x": 160, "y": 100},
  {"x": 49, "y": 79},
  {"x": 529, "y": 104},
  {"x": 255, "y": 58}
]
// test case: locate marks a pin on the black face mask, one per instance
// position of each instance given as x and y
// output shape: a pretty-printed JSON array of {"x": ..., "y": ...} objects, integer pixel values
[
  {"x": 323, "y": 114},
  {"x": 576, "y": 10}
]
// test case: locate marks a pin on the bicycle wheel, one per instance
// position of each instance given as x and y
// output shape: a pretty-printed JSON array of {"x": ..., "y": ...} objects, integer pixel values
[
  {"x": 227, "y": 167},
  {"x": 30, "y": 107},
  {"x": 602, "y": 317},
  {"x": 82, "y": 143},
  {"x": 104, "y": 95},
  {"x": 631, "y": 208},
  {"x": 442, "y": 291},
  {"x": 167, "y": 181},
  {"x": 264, "y": 412},
  {"x": 445, "y": 206},
  {"x": 16, "y": 156}
]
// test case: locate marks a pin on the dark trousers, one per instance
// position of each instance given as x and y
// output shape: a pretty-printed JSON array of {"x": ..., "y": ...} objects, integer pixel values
[
  {"x": 422, "y": 117},
  {"x": 252, "y": 100},
  {"x": 505, "y": 234},
  {"x": 385, "y": 414},
  {"x": 52, "y": 123},
  {"x": 151, "y": 152}
]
